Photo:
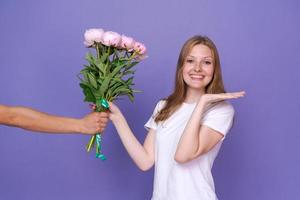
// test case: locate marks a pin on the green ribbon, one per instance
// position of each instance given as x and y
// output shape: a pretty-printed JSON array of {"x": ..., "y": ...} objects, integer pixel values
[
  {"x": 99, "y": 153},
  {"x": 104, "y": 103},
  {"x": 98, "y": 137}
]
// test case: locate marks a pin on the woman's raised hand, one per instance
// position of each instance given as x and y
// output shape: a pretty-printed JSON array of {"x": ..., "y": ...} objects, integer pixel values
[{"x": 213, "y": 98}]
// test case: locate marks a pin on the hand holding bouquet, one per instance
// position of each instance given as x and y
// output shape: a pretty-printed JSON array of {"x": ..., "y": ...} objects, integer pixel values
[{"x": 109, "y": 73}]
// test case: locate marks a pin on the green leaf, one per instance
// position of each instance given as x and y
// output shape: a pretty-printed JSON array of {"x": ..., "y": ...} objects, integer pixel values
[
  {"x": 100, "y": 80},
  {"x": 129, "y": 94},
  {"x": 92, "y": 80},
  {"x": 117, "y": 69},
  {"x": 131, "y": 97},
  {"x": 130, "y": 65},
  {"x": 122, "y": 89},
  {"x": 137, "y": 91},
  {"x": 84, "y": 74},
  {"x": 89, "y": 96},
  {"x": 115, "y": 86},
  {"x": 128, "y": 72},
  {"x": 108, "y": 94},
  {"x": 101, "y": 67},
  {"x": 104, "y": 85},
  {"x": 90, "y": 58},
  {"x": 129, "y": 81},
  {"x": 103, "y": 58},
  {"x": 133, "y": 63}
]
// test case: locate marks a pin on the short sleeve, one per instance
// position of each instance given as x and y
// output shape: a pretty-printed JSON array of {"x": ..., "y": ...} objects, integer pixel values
[
  {"x": 220, "y": 118},
  {"x": 151, "y": 122}
]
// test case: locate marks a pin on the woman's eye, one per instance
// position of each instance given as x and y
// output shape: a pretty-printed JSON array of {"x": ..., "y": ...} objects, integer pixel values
[
  {"x": 189, "y": 61},
  {"x": 207, "y": 62}
]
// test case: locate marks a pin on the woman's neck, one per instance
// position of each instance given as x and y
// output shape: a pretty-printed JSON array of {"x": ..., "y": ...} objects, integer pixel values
[{"x": 193, "y": 95}]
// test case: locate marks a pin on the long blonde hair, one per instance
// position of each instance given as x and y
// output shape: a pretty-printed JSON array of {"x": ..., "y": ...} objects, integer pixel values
[{"x": 216, "y": 85}]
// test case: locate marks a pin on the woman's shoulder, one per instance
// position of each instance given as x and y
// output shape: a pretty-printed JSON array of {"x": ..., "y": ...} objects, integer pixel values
[{"x": 160, "y": 104}]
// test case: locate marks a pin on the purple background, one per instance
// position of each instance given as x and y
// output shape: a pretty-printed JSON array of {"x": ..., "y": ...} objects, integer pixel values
[{"x": 42, "y": 51}]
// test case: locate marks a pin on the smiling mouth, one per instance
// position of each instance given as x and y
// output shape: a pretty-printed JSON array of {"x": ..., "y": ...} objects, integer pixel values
[{"x": 197, "y": 77}]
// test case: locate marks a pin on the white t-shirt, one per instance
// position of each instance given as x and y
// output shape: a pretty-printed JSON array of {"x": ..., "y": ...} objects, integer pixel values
[{"x": 192, "y": 180}]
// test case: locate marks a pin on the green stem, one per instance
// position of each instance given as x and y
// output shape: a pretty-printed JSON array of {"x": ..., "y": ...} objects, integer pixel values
[
  {"x": 130, "y": 57},
  {"x": 91, "y": 143},
  {"x": 98, "y": 51},
  {"x": 133, "y": 55},
  {"x": 108, "y": 51},
  {"x": 106, "y": 70}
]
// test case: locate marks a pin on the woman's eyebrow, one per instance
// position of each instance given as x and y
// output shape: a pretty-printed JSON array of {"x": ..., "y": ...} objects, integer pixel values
[
  {"x": 196, "y": 57},
  {"x": 190, "y": 56}
]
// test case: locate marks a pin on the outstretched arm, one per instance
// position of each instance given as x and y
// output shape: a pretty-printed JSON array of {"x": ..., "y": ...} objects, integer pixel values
[
  {"x": 142, "y": 155},
  {"x": 34, "y": 120}
]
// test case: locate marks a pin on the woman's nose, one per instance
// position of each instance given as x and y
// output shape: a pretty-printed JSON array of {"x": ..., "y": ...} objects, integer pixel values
[{"x": 198, "y": 67}]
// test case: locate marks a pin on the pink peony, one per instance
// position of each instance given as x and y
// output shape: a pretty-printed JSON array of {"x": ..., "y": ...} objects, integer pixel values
[
  {"x": 111, "y": 39},
  {"x": 140, "y": 48},
  {"x": 93, "y": 35},
  {"x": 127, "y": 43}
]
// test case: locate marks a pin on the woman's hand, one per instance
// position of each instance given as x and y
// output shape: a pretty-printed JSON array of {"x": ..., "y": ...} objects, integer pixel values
[
  {"x": 213, "y": 98},
  {"x": 115, "y": 112}
]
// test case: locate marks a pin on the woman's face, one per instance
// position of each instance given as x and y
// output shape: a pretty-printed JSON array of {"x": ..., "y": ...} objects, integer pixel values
[{"x": 198, "y": 67}]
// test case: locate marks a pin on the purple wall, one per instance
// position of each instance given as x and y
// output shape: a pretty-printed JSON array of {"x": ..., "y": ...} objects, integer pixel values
[{"x": 42, "y": 51}]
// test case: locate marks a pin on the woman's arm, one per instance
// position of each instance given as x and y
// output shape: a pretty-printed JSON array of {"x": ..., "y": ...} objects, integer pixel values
[
  {"x": 196, "y": 139},
  {"x": 142, "y": 155},
  {"x": 34, "y": 120}
]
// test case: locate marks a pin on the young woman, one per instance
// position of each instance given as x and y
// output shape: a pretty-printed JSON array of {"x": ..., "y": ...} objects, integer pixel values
[{"x": 186, "y": 129}]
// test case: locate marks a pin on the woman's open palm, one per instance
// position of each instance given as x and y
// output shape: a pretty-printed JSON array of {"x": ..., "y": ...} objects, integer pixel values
[{"x": 213, "y": 98}]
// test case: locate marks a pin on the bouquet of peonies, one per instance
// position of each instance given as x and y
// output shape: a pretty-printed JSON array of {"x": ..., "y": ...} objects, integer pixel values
[{"x": 108, "y": 73}]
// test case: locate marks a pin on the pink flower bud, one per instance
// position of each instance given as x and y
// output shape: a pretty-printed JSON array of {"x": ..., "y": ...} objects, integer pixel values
[
  {"x": 93, "y": 35},
  {"x": 127, "y": 43},
  {"x": 111, "y": 39},
  {"x": 140, "y": 48}
]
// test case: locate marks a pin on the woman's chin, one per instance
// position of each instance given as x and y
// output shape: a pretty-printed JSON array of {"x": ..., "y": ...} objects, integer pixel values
[{"x": 196, "y": 87}]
